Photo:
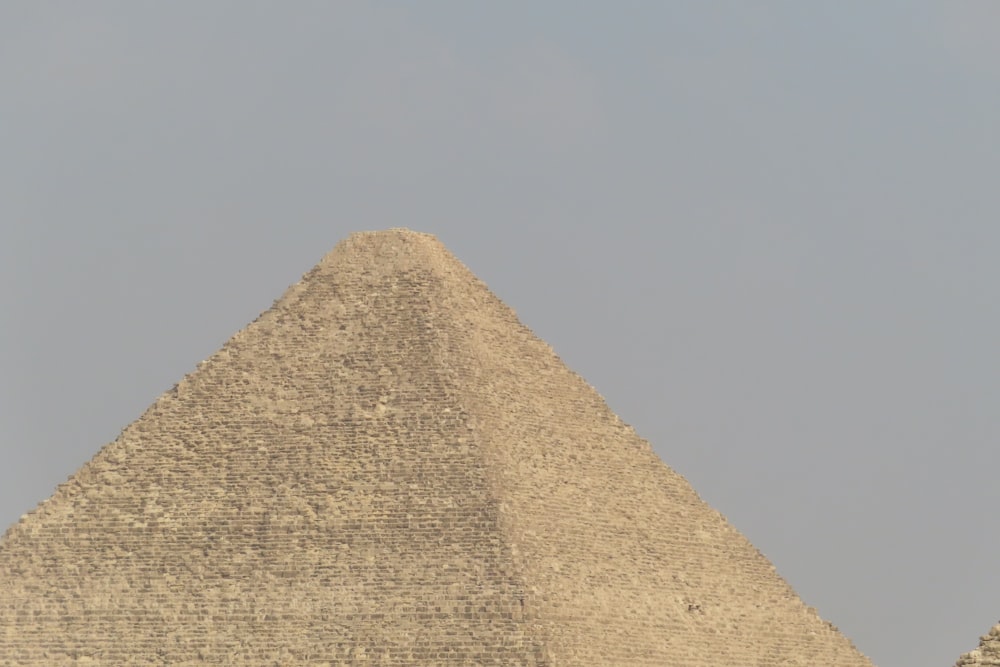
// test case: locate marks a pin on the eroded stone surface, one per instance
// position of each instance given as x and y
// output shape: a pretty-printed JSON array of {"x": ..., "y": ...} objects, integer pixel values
[
  {"x": 986, "y": 654},
  {"x": 388, "y": 468}
]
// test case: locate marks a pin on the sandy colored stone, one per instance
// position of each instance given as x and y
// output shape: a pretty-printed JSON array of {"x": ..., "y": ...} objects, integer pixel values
[
  {"x": 388, "y": 468},
  {"x": 987, "y": 654}
]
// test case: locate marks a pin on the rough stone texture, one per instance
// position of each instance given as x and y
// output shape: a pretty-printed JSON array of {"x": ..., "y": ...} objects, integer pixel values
[
  {"x": 988, "y": 652},
  {"x": 387, "y": 468}
]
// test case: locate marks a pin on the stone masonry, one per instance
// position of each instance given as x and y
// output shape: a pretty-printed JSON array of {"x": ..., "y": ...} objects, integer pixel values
[
  {"x": 987, "y": 654},
  {"x": 387, "y": 468}
]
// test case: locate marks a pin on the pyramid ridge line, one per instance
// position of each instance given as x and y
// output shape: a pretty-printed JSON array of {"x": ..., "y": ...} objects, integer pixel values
[
  {"x": 405, "y": 407},
  {"x": 351, "y": 248}
]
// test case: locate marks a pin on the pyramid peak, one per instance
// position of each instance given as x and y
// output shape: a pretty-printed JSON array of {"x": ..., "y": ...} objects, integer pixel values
[
  {"x": 392, "y": 233},
  {"x": 387, "y": 467},
  {"x": 396, "y": 246}
]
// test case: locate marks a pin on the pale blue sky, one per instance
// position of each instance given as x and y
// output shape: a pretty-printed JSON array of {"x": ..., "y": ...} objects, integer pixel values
[{"x": 767, "y": 233}]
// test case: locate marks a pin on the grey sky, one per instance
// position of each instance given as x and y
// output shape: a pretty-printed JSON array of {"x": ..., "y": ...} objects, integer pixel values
[{"x": 767, "y": 233}]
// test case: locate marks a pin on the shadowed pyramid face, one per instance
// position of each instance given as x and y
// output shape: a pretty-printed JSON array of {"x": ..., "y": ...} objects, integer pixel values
[{"x": 387, "y": 468}]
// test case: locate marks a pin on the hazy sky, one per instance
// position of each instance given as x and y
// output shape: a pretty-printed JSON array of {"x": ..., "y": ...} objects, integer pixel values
[{"x": 767, "y": 233}]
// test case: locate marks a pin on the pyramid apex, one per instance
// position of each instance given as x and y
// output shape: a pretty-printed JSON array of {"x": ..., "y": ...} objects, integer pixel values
[
  {"x": 387, "y": 467},
  {"x": 379, "y": 241},
  {"x": 392, "y": 250},
  {"x": 392, "y": 232}
]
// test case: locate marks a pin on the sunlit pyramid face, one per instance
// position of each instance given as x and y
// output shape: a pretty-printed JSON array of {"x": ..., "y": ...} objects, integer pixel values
[{"x": 388, "y": 468}]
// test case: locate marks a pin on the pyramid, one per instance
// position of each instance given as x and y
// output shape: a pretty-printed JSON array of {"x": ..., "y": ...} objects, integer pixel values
[
  {"x": 388, "y": 468},
  {"x": 987, "y": 654}
]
